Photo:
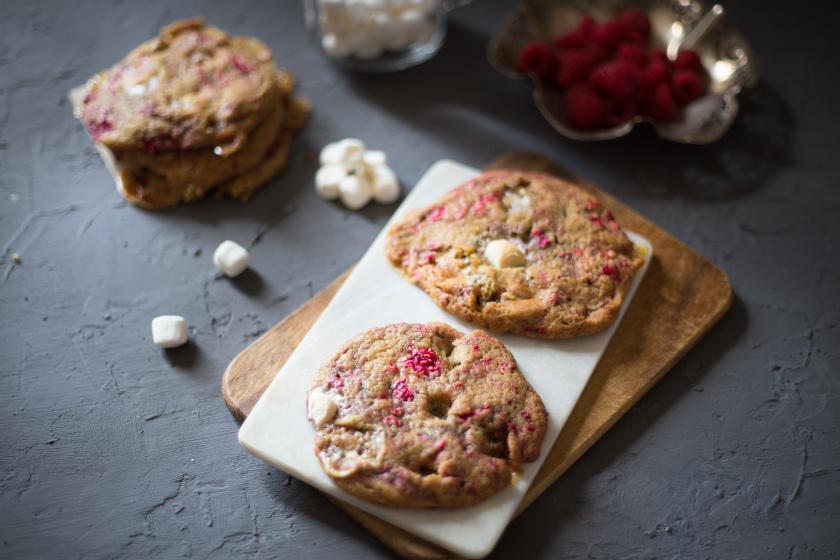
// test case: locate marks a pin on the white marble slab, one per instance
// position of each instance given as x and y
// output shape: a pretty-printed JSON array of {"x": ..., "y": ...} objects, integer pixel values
[{"x": 376, "y": 294}]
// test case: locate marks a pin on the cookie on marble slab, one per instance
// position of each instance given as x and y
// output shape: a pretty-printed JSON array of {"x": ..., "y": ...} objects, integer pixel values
[
  {"x": 422, "y": 415},
  {"x": 519, "y": 252}
]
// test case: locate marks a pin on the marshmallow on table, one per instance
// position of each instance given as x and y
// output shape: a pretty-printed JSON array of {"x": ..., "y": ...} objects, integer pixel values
[
  {"x": 355, "y": 191},
  {"x": 231, "y": 258},
  {"x": 328, "y": 178},
  {"x": 386, "y": 188},
  {"x": 169, "y": 331}
]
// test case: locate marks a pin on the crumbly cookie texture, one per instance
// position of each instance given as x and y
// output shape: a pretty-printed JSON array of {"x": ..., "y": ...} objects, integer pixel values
[
  {"x": 519, "y": 252},
  {"x": 422, "y": 415},
  {"x": 191, "y": 86}
]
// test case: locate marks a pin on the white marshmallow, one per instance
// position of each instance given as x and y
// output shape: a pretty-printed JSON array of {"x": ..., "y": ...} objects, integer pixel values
[
  {"x": 385, "y": 29},
  {"x": 503, "y": 254},
  {"x": 321, "y": 408},
  {"x": 386, "y": 187},
  {"x": 355, "y": 191},
  {"x": 352, "y": 150},
  {"x": 330, "y": 154},
  {"x": 412, "y": 22},
  {"x": 169, "y": 331},
  {"x": 424, "y": 6},
  {"x": 369, "y": 51},
  {"x": 375, "y": 157},
  {"x": 231, "y": 258},
  {"x": 335, "y": 45},
  {"x": 327, "y": 179},
  {"x": 333, "y": 16}
]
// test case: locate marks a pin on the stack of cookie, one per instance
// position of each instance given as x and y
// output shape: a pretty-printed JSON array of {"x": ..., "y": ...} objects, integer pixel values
[{"x": 190, "y": 112}]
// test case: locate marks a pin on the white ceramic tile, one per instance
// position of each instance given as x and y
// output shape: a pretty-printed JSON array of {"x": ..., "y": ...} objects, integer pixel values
[{"x": 376, "y": 294}]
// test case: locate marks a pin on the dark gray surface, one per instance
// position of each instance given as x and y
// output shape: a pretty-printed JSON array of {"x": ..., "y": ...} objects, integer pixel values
[{"x": 111, "y": 448}]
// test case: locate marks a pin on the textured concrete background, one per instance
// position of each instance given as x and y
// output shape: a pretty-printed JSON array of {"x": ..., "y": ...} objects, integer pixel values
[{"x": 110, "y": 448}]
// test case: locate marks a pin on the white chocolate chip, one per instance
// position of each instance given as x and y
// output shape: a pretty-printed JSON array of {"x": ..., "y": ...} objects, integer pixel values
[
  {"x": 169, "y": 331},
  {"x": 460, "y": 353},
  {"x": 231, "y": 258},
  {"x": 355, "y": 191},
  {"x": 503, "y": 254},
  {"x": 327, "y": 180},
  {"x": 386, "y": 187},
  {"x": 321, "y": 408}
]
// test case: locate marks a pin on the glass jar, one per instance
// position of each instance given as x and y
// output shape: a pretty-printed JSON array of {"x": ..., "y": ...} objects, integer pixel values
[{"x": 378, "y": 35}]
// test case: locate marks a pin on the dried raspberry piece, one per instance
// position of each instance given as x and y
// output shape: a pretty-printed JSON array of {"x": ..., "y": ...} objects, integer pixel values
[
  {"x": 660, "y": 104},
  {"x": 612, "y": 271},
  {"x": 537, "y": 59},
  {"x": 436, "y": 214},
  {"x": 619, "y": 112},
  {"x": 336, "y": 382},
  {"x": 585, "y": 107},
  {"x": 424, "y": 361},
  {"x": 241, "y": 65},
  {"x": 616, "y": 80},
  {"x": 609, "y": 34},
  {"x": 636, "y": 24},
  {"x": 687, "y": 86},
  {"x": 402, "y": 391},
  {"x": 578, "y": 37},
  {"x": 575, "y": 64},
  {"x": 687, "y": 59},
  {"x": 634, "y": 54},
  {"x": 99, "y": 127},
  {"x": 656, "y": 72}
]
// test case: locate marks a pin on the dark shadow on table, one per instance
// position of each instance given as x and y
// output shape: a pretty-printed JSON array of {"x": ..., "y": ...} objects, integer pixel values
[
  {"x": 562, "y": 501},
  {"x": 183, "y": 357}
]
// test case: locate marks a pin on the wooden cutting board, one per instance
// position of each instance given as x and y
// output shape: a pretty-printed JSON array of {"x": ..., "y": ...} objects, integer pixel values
[{"x": 680, "y": 298}]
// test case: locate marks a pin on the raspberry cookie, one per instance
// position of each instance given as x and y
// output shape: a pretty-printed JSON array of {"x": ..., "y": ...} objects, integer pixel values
[
  {"x": 519, "y": 252},
  {"x": 190, "y": 110},
  {"x": 416, "y": 415}
]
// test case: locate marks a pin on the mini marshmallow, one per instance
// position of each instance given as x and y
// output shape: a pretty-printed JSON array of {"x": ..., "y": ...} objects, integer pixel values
[
  {"x": 231, "y": 258},
  {"x": 375, "y": 157},
  {"x": 331, "y": 153},
  {"x": 386, "y": 187},
  {"x": 335, "y": 46},
  {"x": 352, "y": 150},
  {"x": 327, "y": 180},
  {"x": 355, "y": 191},
  {"x": 503, "y": 254},
  {"x": 169, "y": 331},
  {"x": 321, "y": 408},
  {"x": 411, "y": 22},
  {"x": 369, "y": 51}
]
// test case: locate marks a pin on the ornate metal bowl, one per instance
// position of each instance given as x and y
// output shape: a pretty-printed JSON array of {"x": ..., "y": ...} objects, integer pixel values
[{"x": 726, "y": 56}]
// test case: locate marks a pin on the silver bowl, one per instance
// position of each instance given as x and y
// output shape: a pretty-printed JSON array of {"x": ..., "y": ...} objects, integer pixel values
[{"x": 726, "y": 56}]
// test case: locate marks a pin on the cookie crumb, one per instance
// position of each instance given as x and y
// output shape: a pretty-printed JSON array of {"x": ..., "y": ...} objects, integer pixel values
[{"x": 16, "y": 258}]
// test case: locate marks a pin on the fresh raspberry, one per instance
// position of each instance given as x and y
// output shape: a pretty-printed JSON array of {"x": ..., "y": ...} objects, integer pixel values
[
  {"x": 688, "y": 60},
  {"x": 636, "y": 24},
  {"x": 609, "y": 34},
  {"x": 687, "y": 86},
  {"x": 585, "y": 107},
  {"x": 654, "y": 73},
  {"x": 578, "y": 37},
  {"x": 576, "y": 64},
  {"x": 632, "y": 53},
  {"x": 660, "y": 104},
  {"x": 658, "y": 55},
  {"x": 617, "y": 80},
  {"x": 537, "y": 59},
  {"x": 619, "y": 112}
]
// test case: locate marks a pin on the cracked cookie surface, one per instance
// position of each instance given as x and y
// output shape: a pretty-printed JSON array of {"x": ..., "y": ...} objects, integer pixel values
[
  {"x": 519, "y": 252},
  {"x": 422, "y": 415}
]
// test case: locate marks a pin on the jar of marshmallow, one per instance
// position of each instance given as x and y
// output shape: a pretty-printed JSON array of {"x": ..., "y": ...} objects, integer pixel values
[{"x": 378, "y": 35}]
